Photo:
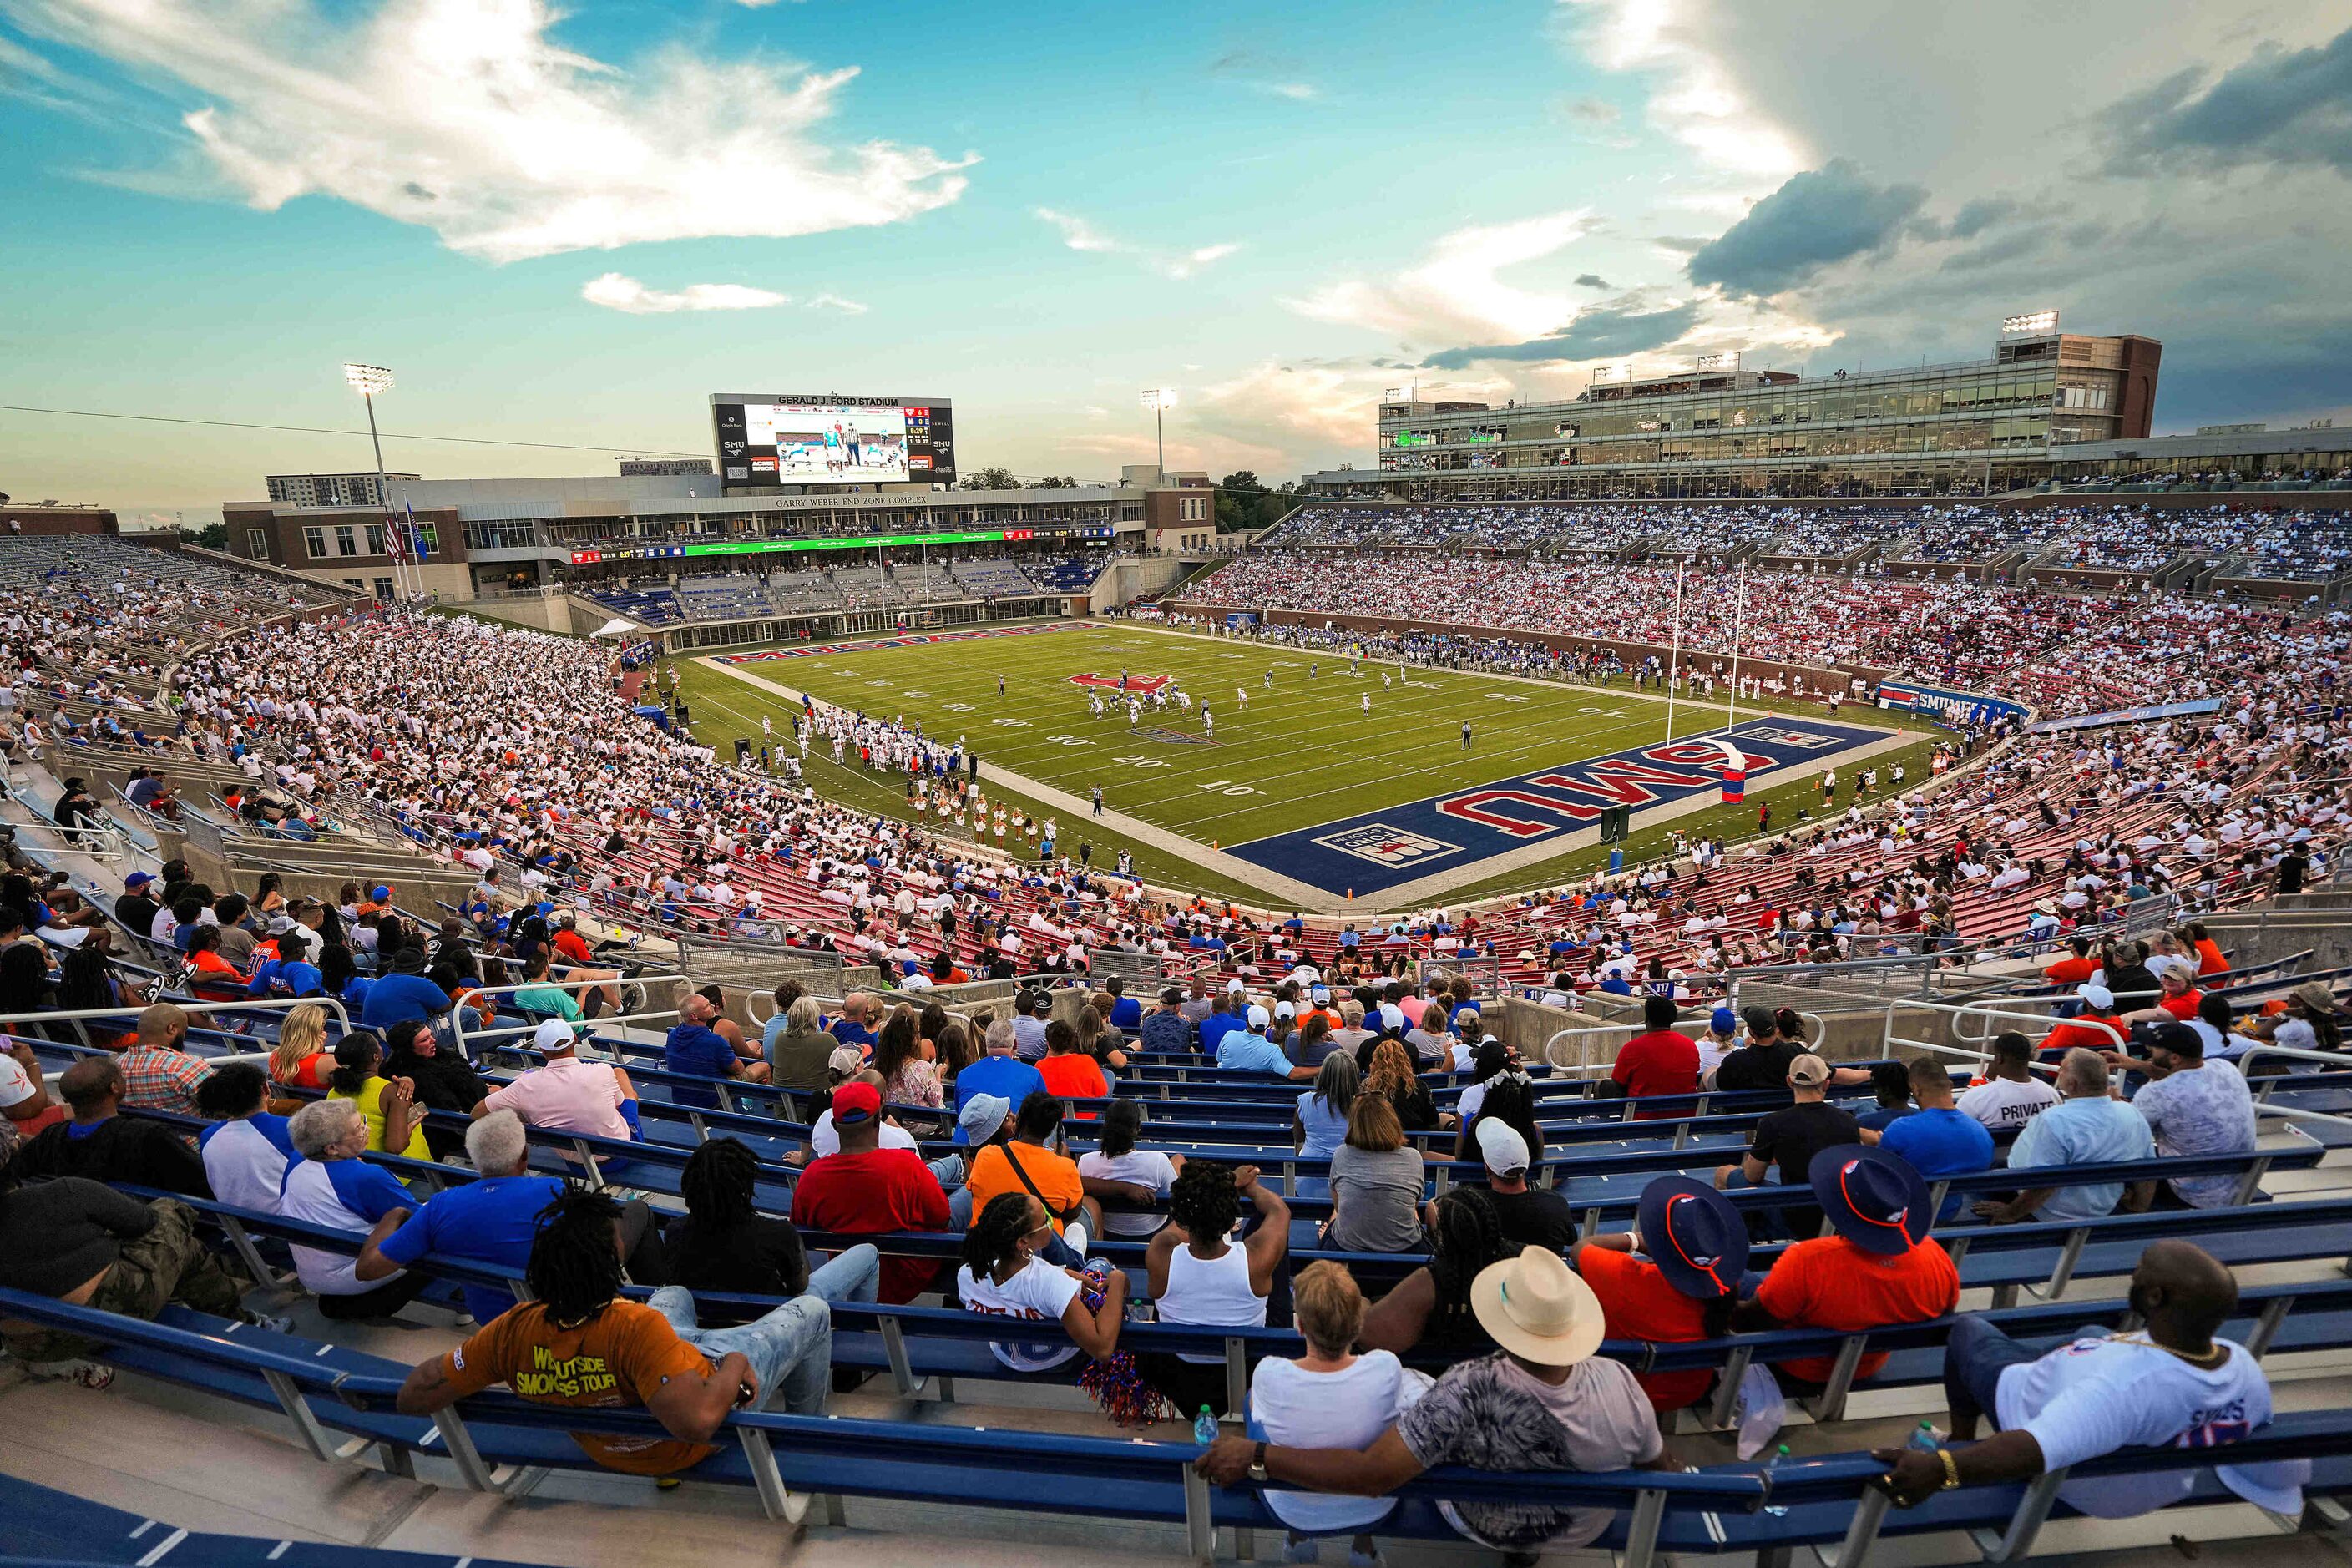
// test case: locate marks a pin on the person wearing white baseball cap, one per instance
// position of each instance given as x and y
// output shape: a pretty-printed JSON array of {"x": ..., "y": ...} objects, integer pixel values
[
  {"x": 2095, "y": 1025},
  {"x": 1547, "y": 1402},
  {"x": 1247, "y": 1048},
  {"x": 565, "y": 1094}
]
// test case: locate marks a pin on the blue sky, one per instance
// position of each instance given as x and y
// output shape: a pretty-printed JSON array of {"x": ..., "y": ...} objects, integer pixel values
[{"x": 572, "y": 225}]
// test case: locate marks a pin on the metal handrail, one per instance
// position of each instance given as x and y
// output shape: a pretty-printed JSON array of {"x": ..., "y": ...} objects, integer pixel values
[
  {"x": 459, "y": 1034},
  {"x": 9, "y": 1021}
]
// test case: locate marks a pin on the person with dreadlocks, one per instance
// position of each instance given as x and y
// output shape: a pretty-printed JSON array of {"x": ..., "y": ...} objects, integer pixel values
[
  {"x": 725, "y": 1245},
  {"x": 1431, "y": 1304},
  {"x": 579, "y": 1344}
]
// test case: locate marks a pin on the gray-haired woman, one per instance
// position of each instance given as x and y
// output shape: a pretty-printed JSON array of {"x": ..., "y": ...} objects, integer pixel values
[
  {"x": 797, "y": 1059},
  {"x": 333, "y": 1187}
]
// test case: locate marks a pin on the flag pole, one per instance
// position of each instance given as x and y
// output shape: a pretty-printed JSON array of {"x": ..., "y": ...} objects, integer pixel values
[
  {"x": 1674, "y": 649},
  {"x": 1738, "y": 620}
]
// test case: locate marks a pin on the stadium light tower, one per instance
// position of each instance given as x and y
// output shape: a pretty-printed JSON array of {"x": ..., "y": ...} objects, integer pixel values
[
  {"x": 367, "y": 380},
  {"x": 1160, "y": 399}
]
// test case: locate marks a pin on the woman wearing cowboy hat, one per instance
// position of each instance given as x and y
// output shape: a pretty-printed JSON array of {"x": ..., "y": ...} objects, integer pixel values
[{"x": 1544, "y": 1402}]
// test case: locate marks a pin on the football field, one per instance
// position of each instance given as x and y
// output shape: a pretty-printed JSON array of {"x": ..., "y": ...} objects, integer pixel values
[{"x": 1315, "y": 775}]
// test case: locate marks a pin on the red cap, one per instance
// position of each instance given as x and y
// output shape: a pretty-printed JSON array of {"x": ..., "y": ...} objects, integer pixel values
[{"x": 856, "y": 1102}]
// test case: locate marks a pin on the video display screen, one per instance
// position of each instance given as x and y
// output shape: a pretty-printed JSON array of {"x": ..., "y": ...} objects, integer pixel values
[{"x": 805, "y": 440}]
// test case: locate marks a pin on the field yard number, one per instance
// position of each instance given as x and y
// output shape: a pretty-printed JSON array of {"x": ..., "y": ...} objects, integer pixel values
[
  {"x": 955, "y": 706},
  {"x": 1069, "y": 741},
  {"x": 1222, "y": 786},
  {"x": 1491, "y": 697},
  {"x": 1012, "y": 723},
  {"x": 910, "y": 692},
  {"x": 877, "y": 683},
  {"x": 1425, "y": 685},
  {"x": 1136, "y": 761}
]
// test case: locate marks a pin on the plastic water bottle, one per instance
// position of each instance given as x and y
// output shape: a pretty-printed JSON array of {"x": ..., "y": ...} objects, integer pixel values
[
  {"x": 1926, "y": 1438},
  {"x": 1771, "y": 1463},
  {"x": 1204, "y": 1426}
]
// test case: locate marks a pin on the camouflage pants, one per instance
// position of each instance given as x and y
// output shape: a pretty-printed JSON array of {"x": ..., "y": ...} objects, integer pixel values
[{"x": 168, "y": 1264}]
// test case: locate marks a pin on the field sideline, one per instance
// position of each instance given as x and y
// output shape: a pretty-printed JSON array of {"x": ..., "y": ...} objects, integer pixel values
[{"x": 1302, "y": 754}]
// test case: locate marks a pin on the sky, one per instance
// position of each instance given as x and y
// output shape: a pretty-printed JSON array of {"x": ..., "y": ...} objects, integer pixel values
[{"x": 571, "y": 226}]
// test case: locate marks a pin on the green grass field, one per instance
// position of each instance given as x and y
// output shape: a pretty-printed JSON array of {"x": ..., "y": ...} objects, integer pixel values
[{"x": 1303, "y": 752}]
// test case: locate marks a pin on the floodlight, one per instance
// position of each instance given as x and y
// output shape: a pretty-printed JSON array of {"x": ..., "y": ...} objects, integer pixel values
[
  {"x": 1158, "y": 397},
  {"x": 1729, "y": 360},
  {"x": 367, "y": 380},
  {"x": 2031, "y": 324}
]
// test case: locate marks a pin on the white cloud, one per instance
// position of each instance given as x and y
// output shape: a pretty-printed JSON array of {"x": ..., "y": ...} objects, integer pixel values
[
  {"x": 1698, "y": 99},
  {"x": 836, "y": 302},
  {"x": 464, "y": 116},
  {"x": 1455, "y": 294},
  {"x": 616, "y": 291},
  {"x": 1078, "y": 234},
  {"x": 1296, "y": 91}
]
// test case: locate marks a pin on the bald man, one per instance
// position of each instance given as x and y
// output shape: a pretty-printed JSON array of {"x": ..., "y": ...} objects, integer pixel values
[{"x": 2172, "y": 1383}]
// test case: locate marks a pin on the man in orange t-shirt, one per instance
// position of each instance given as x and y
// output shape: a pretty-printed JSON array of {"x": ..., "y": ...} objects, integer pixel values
[
  {"x": 1879, "y": 1269},
  {"x": 2098, "y": 1007},
  {"x": 2075, "y": 967},
  {"x": 1693, "y": 1249},
  {"x": 1024, "y": 1147},
  {"x": 579, "y": 1346}
]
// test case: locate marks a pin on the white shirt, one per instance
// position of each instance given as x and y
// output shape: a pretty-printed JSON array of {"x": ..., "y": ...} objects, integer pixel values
[
  {"x": 1041, "y": 1293},
  {"x": 1346, "y": 1409},
  {"x": 244, "y": 1166},
  {"x": 2095, "y": 1395},
  {"x": 824, "y": 1138},
  {"x": 1144, "y": 1167},
  {"x": 2002, "y": 1103}
]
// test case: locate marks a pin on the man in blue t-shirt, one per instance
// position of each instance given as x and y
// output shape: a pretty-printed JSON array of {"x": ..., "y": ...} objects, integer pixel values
[
  {"x": 1247, "y": 1049},
  {"x": 403, "y": 993},
  {"x": 1221, "y": 1023},
  {"x": 1000, "y": 1073},
  {"x": 1939, "y": 1139},
  {"x": 850, "y": 1027},
  {"x": 1126, "y": 1011},
  {"x": 694, "y": 1048},
  {"x": 490, "y": 1221}
]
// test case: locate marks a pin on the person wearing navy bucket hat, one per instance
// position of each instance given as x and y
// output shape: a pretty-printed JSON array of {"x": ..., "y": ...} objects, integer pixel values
[
  {"x": 1673, "y": 1278},
  {"x": 1879, "y": 1267}
]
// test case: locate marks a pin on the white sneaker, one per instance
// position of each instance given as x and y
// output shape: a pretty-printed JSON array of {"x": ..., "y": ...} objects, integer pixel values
[
  {"x": 1075, "y": 1233},
  {"x": 1307, "y": 1550}
]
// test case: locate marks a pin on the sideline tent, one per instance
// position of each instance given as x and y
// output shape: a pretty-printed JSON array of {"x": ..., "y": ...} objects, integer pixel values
[{"x": 615, "y": 628}]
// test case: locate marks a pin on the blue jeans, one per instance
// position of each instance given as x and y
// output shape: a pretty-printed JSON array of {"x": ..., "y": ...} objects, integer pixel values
[
  {"x": 1975, "y": 1355},
  {"x": 853, "y": 1273},
  {"x": 790, "y": 1350}
]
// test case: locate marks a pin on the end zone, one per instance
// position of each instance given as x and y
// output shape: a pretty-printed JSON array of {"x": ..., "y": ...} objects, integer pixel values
[{"x": 1469, "y": 835}]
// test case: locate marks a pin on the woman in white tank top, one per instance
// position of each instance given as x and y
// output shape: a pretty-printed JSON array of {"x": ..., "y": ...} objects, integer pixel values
[{"x": 1199, "y": 1275}]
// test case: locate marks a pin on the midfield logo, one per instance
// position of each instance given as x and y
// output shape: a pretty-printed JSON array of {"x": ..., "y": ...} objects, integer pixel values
[
  {"x": 1141, "y": 685},
  {"x": 1386, "y": 846}
]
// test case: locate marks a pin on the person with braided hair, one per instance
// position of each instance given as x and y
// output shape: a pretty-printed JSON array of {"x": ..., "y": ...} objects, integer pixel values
[
  {"x": 1005, "y": 1276},
  {"x": 1431, "y": 1304},
  {"x": 1198, "y": 1275},
  {"x": 580, "y": 1345}
]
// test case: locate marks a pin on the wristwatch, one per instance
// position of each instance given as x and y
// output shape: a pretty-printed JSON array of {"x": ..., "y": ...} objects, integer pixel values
[{"x": 1258, "y": 1463}]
